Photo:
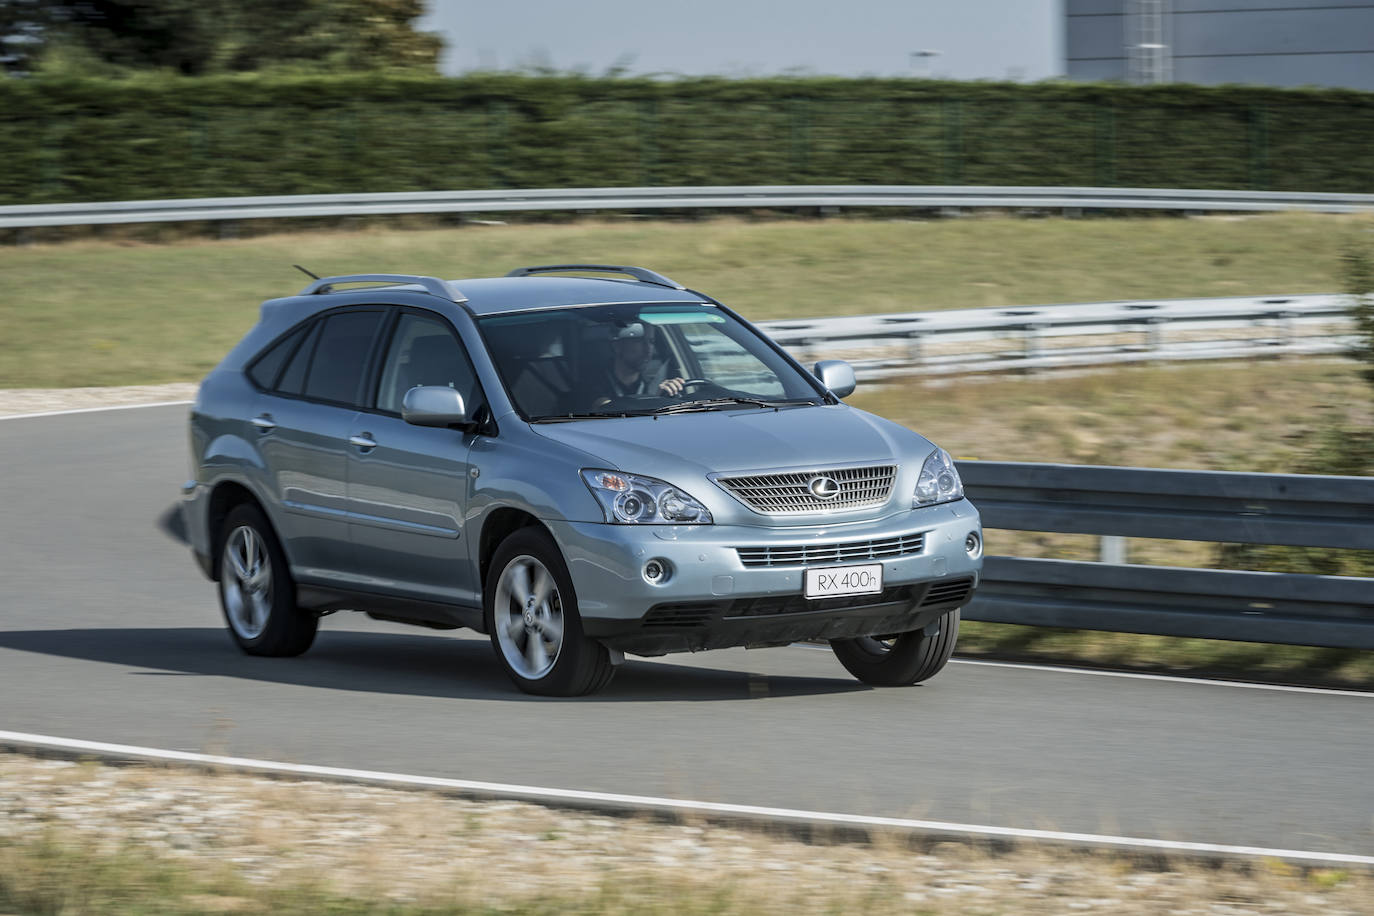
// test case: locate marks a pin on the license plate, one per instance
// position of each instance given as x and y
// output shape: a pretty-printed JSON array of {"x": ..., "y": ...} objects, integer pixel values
[{"x": 844, "y": 580}]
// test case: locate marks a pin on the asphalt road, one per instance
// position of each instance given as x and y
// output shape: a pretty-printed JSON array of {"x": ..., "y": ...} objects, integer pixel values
[{"x": 109, "y": 633}]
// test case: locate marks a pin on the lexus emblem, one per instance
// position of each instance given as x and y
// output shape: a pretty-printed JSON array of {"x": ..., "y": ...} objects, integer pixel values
[{"x": 824, "y": 487}]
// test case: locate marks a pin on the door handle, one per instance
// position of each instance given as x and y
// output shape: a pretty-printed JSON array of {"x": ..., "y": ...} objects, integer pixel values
[
  {"x": 363, "y": 440},
  {"x": 264, "y": 422}
]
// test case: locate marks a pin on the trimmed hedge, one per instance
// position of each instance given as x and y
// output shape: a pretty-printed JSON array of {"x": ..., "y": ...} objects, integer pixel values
[{"x": 152, "y": 138}]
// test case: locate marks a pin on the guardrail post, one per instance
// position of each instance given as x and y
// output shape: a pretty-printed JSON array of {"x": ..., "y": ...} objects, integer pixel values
[
  {"x": 1154, "y": 333},
  {"x": 1286, "y": 331},
  {"x": 1111, "y": 549},
  {"x": 1032, "y": 349},
  {"x": 915, "y": 348}
]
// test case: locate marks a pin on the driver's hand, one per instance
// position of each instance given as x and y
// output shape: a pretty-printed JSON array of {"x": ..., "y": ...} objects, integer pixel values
[{"x": 672, "y": 387}]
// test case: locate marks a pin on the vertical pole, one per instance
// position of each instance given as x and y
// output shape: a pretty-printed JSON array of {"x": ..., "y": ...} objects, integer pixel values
[
  {"x": 648, "y": 142},
  {"x": 350, "y": 144},
  {"x": 200, "y": 151},
  {"x": 496, "y": 139},
  {"x": 800, "y": 148},
  {"x": 1105, "y": 142},
  {"x": 1259, "y": 147},
  {"x": 953, "y": 110},
  {"x": 1111, "y": 549},
  {"x": 50, "y": 159}
]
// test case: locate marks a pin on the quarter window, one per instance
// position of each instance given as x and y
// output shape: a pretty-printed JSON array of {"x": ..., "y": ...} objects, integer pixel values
[
  {"x": 268, "y": 366},
  {"x": 293, "y": 379}
]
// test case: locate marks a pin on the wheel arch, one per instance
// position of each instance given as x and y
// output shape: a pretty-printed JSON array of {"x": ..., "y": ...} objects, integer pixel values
[
  {"x": 498, "y": 525},
  {"x": 226, "y": 496}
]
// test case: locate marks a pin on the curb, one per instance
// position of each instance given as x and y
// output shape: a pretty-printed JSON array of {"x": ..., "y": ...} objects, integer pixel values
[{"x": 805, "y": 824}]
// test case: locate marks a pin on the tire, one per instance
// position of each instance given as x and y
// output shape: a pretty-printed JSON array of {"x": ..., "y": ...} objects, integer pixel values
[
  {"x": 900, "y": 660},
  {"x": 255, "y": 588},
  {"x": 531, "y": 614}
]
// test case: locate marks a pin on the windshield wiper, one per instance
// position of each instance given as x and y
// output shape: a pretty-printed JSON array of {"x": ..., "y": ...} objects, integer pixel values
[
  {"x": 588, "y": 415},
  {"x": 716, "y": 403}
]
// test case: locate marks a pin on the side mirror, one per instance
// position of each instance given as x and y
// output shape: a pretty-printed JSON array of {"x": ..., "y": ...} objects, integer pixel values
[
  {"x": 434, "y": 405},
  {"x": 837, "y": 375}
]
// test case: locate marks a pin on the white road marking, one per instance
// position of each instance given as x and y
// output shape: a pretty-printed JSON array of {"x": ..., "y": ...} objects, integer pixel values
[
  {"x": 24, "y": 741},
  {"x": 62, "y": 413},
  {"x": 1141, "y": 676}
]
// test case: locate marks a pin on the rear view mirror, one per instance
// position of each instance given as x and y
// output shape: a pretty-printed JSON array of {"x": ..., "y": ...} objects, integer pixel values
[
  {"x": 837, "y": 375},
  {"x": 434, "y": 405}
]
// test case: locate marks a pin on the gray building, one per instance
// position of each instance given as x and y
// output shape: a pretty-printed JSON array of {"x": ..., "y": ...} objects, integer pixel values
[{"x": 1264, "y": 42}]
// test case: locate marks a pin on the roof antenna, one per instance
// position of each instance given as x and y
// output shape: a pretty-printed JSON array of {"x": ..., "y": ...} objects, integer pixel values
[{"x": 306, "y": 272}]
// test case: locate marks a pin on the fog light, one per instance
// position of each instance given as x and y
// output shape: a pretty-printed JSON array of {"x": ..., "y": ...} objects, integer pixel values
[
  {"x": 656, "y": 571},
  {"x": 973, "y": 545}
]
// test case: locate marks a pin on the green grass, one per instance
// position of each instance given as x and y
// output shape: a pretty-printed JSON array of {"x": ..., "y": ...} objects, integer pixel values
[{"x": 118, "y": 311}]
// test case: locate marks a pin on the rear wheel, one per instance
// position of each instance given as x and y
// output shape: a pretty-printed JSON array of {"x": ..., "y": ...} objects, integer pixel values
[
  {"x": 256, "y": 591},
  {"x": 902, "y": 659},
  {"x": 531, "y": 613}
]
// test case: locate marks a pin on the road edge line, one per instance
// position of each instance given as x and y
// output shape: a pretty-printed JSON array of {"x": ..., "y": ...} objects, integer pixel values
[
  {"x": 63, "y": 413},
  {"x": 675, "y": 809}
]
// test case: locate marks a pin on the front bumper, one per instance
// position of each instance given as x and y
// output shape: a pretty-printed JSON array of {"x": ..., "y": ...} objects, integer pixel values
[{"x": 709, "y": 598}]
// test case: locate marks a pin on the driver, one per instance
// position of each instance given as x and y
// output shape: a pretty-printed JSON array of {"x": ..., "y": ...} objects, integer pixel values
[{"x": 632, "y": 372}]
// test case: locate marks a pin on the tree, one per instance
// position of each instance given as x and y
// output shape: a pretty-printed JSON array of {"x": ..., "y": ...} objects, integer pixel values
[{"x": 200, "y": 37}]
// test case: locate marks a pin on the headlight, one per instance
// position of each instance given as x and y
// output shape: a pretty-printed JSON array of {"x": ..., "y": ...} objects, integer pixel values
[
  {"x": 629, "y": 499},
  {"x": 939, "y": 481}
]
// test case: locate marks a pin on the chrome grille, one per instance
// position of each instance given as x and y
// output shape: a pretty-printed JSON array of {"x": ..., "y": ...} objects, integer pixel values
[
  {"x": 790, "y": 493},
  {"x": 848, "y": 551}
]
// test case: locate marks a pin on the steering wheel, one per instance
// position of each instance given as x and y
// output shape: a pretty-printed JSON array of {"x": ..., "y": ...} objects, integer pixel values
[{"x": 699, "y": 383}]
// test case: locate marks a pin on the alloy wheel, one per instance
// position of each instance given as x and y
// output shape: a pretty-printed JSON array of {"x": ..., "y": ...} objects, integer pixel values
[
  {"x": 528, "y": 617},
  {"x": 247, "y": 582}
]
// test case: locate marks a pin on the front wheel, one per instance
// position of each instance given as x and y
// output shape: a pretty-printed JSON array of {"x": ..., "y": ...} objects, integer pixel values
[
  {"x": 531, "y": 613},
  {"x": 902, "y": 659},
  {"x": 255, "y": 588}
]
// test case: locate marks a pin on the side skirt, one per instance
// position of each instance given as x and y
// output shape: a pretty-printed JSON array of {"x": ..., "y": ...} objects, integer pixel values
[{"x": 391, "y": 608}]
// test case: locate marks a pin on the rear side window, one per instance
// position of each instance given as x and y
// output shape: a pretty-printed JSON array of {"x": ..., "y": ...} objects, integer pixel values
[
  {"x": 268, "y": 366},
  {"x": 339, "y": 362}
]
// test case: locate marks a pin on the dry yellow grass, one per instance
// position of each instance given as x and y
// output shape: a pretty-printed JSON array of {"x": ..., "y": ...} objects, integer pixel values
[{"x": 92, "y": 838}]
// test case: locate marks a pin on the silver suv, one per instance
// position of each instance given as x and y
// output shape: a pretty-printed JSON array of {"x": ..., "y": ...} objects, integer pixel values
[{"x": 581, "y": 467}]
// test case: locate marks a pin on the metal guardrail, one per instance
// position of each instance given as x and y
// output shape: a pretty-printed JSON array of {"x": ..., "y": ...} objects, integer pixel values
[
  {"x": 1294, "y": 510},
  {"x": 719, "y": 197},
  {"x": 1066, "y": 336}
]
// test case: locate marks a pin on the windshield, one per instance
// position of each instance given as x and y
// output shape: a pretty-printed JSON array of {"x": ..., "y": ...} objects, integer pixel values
[{"x": 618, "y": 360}]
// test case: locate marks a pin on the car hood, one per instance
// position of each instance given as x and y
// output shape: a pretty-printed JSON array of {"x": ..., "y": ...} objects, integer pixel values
[{"x": 747, "y": 439}]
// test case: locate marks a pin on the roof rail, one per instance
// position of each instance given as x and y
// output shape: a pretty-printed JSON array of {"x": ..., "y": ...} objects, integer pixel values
[
  {"x": 639, "y": 273},
  {"x": 432, "y": 285}
]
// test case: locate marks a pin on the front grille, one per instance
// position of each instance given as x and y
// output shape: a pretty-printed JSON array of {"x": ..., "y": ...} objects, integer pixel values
[
  {"x": 790, "y": 493},
  {"x": 844, "y": 552},
  {"x": 955, "y": 592},
  {"x": 796, "y": 604}
]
